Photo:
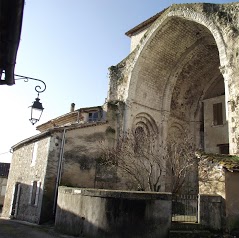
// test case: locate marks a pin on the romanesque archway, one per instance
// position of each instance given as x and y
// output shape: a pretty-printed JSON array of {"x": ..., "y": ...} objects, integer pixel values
[
  {"x": 175, "y": 78},
  {"x": 173, "y": 72}
]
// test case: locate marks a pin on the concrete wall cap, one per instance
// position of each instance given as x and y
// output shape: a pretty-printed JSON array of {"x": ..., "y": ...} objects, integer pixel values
[{"x": 138, "y": 195}]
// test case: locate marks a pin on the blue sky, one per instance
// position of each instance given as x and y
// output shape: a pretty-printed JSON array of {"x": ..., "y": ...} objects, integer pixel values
[{"x": 69, "y": 44}]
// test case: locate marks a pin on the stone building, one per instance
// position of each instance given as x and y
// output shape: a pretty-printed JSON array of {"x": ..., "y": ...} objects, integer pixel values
[
  {"x": 219, "y": 174},
  {"x": 62, "y": 154},
  {"x": 181, "y": 75}
]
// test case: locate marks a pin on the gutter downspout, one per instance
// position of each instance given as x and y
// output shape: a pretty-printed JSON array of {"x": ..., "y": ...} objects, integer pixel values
[{"x": 59, "y": 170}]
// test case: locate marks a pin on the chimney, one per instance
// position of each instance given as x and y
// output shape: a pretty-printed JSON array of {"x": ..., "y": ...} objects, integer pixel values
[{"x": 72, "y": 107}]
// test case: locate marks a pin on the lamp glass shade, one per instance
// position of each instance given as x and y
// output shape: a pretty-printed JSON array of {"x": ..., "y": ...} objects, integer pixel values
[{"x": 36, "y": 111}]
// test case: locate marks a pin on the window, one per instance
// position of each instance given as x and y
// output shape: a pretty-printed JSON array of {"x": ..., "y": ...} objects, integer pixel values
[
  {"x": 217, "y": 114},
  {"x": 140, "y": 139},
  {"x": 15, "y": 199},
  {"x": 34, "y": 193},
  {"x": 93, "y": 116}
]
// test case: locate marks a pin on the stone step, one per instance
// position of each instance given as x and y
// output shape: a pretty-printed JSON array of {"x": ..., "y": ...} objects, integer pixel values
[
  {"x": 189, "y": 234},
  {"x": 186, "y": 226}
]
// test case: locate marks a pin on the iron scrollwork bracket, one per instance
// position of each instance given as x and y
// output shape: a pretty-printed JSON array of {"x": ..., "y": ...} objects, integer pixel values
[{"x": 38, "y": 88}]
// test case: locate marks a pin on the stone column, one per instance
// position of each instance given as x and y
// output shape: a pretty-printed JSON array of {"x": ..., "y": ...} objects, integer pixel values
[
  {"x": 163, "y": 128},
  {"x": 231, "y": 81}
]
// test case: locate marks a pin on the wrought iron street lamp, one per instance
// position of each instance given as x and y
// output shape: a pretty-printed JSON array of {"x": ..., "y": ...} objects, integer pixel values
[
  {"x": 36, "y": 107},
  {"x": 36, "y": 111}
]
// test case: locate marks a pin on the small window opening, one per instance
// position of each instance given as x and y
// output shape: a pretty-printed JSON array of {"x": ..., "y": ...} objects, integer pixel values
[
  {"x": 34, "y": 154},
  {"x": 93, "y": 116}
]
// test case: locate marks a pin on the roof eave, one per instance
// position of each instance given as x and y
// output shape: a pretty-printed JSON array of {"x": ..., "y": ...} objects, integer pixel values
[
  {"x": 11, "y": 26},
  {"x": 144, "y": 24}
]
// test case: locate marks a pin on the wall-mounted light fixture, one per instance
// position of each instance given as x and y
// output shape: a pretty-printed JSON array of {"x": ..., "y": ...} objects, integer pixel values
[{"x": 36, "y": 107}]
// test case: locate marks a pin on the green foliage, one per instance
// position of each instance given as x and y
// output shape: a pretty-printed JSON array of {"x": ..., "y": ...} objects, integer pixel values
[{"x": 229, "y": 162}]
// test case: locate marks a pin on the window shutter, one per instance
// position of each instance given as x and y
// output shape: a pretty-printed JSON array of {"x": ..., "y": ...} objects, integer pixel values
[{"x": 217, "y": 114}]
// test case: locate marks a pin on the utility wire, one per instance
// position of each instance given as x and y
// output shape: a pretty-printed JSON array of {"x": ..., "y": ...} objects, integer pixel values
[{"x": 4, "y": 153}]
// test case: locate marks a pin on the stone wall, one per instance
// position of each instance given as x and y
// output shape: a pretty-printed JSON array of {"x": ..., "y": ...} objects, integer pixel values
[
  {"x": 135, "y": 39},
  {"x": 51, "y": 173},
  {"x": 102, "y": 213},
  {"x": 211, "y": 179},
  {"x": 232, "y": 195},
  {"x": 82, "y": 148},
  {"x": 24, "y": 170},
  {"x": 215, "y": 180}
]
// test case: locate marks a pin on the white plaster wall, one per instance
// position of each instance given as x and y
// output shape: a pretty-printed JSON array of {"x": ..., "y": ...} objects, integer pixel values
[{"x": 135, "y": 39}]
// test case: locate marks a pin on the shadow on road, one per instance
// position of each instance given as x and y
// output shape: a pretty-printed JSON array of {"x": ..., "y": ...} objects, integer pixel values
[{"x": 13, "y": 229}]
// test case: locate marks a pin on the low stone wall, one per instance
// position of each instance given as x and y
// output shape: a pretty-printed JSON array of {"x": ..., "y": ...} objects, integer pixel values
[{"x": 107, "y": 213}]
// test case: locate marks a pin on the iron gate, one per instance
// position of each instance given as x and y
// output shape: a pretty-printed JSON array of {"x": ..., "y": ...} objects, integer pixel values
[{"x": 185, "y": 208}]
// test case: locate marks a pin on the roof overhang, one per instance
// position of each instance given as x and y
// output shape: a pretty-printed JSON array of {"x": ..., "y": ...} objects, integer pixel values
[
  {"x": 51, "y": 131},
  {"x": 11, "y": 15},
  {"x": 144, "y": 24}
]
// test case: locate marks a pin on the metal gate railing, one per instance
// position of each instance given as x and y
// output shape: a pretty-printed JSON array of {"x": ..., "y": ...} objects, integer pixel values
[{"x": 185, "y": 208}]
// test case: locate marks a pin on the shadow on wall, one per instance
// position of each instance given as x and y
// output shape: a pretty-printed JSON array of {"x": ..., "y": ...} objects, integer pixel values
[
  {"x": 101, "y": 213},
  {"x": 123, "y": 219}
]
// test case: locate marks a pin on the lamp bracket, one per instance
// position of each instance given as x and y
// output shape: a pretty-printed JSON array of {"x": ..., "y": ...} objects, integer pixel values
[{"x": 38, "y": 88}]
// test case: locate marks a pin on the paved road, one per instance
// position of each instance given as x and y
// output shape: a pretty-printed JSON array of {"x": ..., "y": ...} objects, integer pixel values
[{"x": 13, "y": 229}]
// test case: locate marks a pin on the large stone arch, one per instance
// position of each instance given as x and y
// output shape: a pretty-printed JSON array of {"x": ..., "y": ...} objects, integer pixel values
[
  {"x": 180, "y": 54},
  {"x": 216, "y": 24},
  {"x": 184, "y": 13}
]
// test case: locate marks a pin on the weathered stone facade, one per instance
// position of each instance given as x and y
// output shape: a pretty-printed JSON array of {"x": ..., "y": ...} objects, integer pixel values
[
  {"x": 185, "y": 51},
  {"x": 183, "y": 63},
  {"x": 24, "y": 171},
  {"x": 80, "y": 153},
  {"x": 59, "y": 156}
]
